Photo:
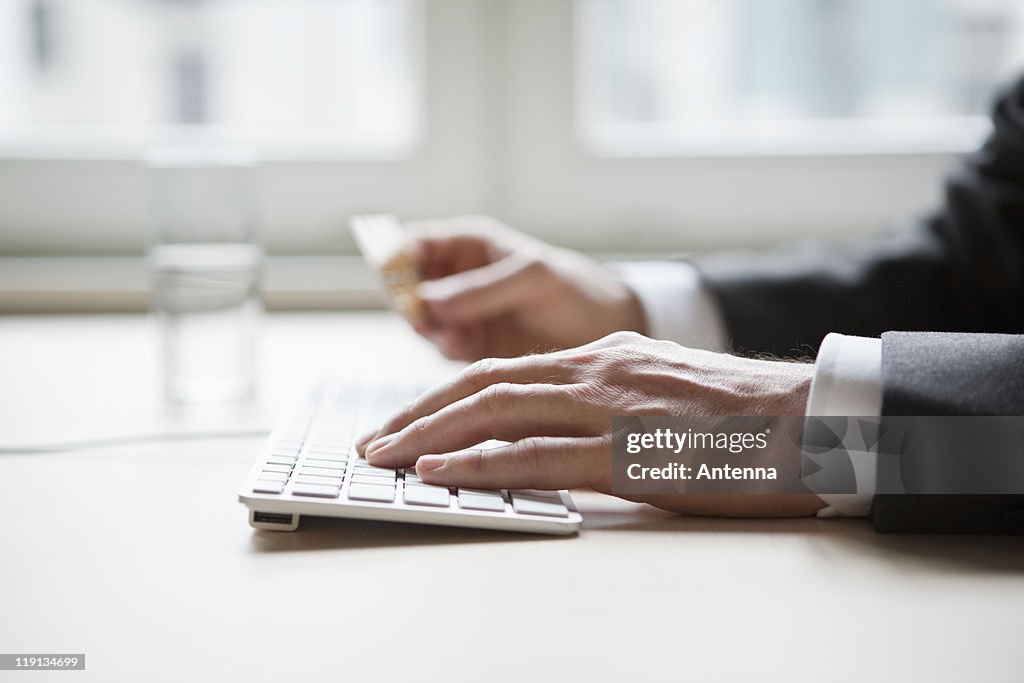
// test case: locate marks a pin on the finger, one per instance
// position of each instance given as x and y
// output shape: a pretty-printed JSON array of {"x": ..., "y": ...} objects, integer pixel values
[
  {"x": 464, "y": 343},
  {"x": 440, "y": 256},
  {"x": 492, "y": 339},
  {"x": 452, "y": 342},
  {"x": 451, "y": 245},
  {"x": 365, "y": 439},
  {"x": 459, "y": 342},
  {"x": 533, "y": 463},
  {"x": 507, "y": 412},
  {"x": 483, "y": 292},
  {"x": 422, "y": 324},
  {"x": 526, "y": 370}
]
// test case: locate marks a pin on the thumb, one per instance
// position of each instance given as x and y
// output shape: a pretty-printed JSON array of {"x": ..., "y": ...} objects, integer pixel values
[
  {"x": 532, "y": 463},
  {"x": 482, "y": 292}
]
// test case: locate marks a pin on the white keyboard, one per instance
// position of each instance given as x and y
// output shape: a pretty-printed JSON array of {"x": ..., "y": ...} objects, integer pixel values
[{"x": 309, "y": 467}]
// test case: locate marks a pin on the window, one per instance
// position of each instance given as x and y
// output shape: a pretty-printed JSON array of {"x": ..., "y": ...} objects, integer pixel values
[
  {"x": 669, "y": 76},
  {"x": 273, "y": 74},
  {"x": 693, "y": 138}
]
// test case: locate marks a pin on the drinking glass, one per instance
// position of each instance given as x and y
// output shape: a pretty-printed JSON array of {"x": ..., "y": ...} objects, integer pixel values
[{"x": 205, "y": 266}]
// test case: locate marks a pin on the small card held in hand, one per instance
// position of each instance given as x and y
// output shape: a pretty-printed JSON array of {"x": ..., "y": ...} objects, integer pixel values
[{"x": 382, "y": 244}]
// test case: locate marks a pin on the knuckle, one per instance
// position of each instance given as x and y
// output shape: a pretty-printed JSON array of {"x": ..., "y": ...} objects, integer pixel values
[
  {"x": 497, "y": 397},
  {"x": 626, "y": 337},
  {"x": 584, "y": 360},
  {"x": 417, "y": 427},
  {"x": 471, "y": 462},
  {"x": 616, "y": 366},
  {"x": 481, "y": 373},
  {"x": 602, "y": 399},
  {"x": 587, "y": 393},
  {"x": 627, "y": 357},
  {"x": 528, "y": 452},
  {"x": 536, "y": 265}
]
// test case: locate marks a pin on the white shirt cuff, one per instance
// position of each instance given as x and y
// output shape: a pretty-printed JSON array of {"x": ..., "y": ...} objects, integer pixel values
[
  {"x": 848, "y": 382},
  {"x": 677, "y": 305}
]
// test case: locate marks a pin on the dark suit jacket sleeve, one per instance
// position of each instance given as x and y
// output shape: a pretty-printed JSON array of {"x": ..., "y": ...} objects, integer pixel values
[
  {"x": 955, "y": 374},
  {"x": 961, "y": 269}
]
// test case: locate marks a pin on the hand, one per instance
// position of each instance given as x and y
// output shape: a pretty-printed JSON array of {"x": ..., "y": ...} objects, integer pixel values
[
  {"x": 490, "y": 291},
  {"x": 556, "y": 410}
]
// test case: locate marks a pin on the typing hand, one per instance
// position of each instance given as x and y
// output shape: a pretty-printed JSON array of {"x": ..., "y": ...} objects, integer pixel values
[
  {"x": 490, "y": 291},
  {"x": 556, "y": 410}
]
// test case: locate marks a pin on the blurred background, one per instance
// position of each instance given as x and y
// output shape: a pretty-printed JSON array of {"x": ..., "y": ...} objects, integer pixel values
[{"x": 624, "y": 127}]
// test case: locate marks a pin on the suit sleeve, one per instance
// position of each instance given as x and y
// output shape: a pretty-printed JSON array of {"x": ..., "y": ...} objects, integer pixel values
[
  {"x": 960, "y": 269},
  {"x": 936, "y": 374}
]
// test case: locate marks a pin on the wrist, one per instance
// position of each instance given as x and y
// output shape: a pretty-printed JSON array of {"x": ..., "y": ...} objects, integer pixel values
[
  {"x": 801, "y": 387},
  {"x": 792, "y": 387}
]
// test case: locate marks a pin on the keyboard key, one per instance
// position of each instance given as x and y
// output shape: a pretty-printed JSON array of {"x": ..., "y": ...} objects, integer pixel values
[
  {"x": 358, "y": 478},
  {"x": 331, "y": 432},
  {"x": 321, "y": 457},
  {"x": 541, "y": 503},
  {"x": 285, "y": 469},
  {"x": 325, "y": 481},
  {"x": 484, "y": 492},
  {"x": 281, "y": 460},
  {"x": 373, "y": 492},
  {"x": 321, "y": 471},
  {"x": 315, "y": 490},
  {"x": 360, "y": 462},
  {"x": 264, "y": 486},
  {"x": 326, "y": 477},
  {"x": 375, "y": 478},
  {"x": 434, "y": 496},
  {"x": 384, "y": 475},
  {"x": 326, "y": 469},
  {"x": 273, "y": 476},
  {"x": 490, "y": 501},
  {"x": 325, "y": 464},
  {"x": 329, "y": 449}
]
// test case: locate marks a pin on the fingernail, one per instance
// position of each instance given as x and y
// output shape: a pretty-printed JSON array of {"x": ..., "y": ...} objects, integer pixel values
[
  {"x": 380, "y": 443},
  {"x": 426, "y": 463},
  {"x": 365, "y": 440}
]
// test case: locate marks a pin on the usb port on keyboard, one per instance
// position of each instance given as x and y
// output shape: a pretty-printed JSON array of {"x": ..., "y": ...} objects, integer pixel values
[{"x": 271, "y": 518}]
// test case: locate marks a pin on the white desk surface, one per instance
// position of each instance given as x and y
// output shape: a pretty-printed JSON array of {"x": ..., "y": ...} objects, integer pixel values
[{"x": 141, "y": 557}]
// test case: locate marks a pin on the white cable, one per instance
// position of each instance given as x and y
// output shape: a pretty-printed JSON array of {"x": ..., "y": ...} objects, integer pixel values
[{"x": 135, "y": 438}]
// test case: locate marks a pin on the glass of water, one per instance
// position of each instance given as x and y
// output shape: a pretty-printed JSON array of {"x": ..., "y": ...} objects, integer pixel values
[{"x": 205, "y": 267}]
